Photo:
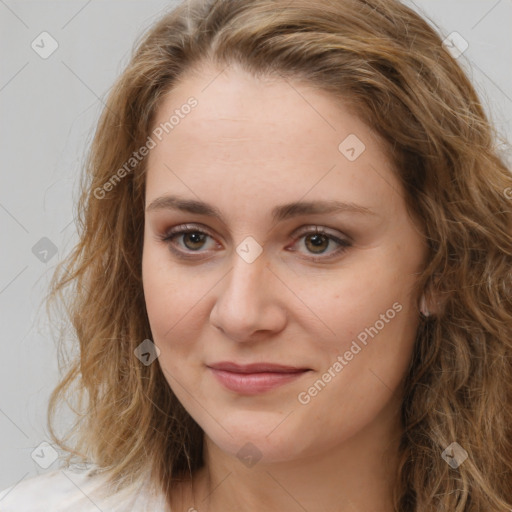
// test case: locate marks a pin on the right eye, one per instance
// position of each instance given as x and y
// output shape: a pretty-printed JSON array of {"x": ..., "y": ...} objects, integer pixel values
[{"x": 192, "y": 238}]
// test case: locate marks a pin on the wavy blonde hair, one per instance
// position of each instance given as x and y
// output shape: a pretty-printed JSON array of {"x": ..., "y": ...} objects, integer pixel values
[{"x": 389, "y": 65}]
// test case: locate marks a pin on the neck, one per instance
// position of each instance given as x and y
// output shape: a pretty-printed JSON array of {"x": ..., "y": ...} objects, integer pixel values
[{"x": 357, "y": 474}]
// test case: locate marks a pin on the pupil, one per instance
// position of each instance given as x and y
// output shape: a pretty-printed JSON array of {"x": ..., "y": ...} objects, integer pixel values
[
  {"x": 195, "y": 238},
  {"x": 317, "y": 240}
]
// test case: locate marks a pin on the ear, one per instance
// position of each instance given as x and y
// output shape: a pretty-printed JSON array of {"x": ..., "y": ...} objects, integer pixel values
[
  {"x": 424, "y": 309},
  {"x": 429, "y": 305}
]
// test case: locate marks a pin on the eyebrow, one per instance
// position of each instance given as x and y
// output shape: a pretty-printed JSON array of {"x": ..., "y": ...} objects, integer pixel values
[{"x": 279, "y": 213}]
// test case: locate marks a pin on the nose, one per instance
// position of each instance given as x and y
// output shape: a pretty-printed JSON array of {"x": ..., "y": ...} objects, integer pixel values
[{"x": 250, "y": 301}]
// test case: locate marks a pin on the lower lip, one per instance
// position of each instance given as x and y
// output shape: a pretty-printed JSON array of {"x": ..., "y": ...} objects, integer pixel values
[{"x": 255, "y": 383}]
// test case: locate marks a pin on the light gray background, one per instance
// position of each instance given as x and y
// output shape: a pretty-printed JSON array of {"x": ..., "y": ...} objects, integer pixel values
[{"x": 48, "y": 108}]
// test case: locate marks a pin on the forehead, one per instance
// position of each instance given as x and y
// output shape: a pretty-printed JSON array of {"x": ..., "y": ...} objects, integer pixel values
[
  {"x": 264, "y": 137},
  {"x": 232, "y": 105}
]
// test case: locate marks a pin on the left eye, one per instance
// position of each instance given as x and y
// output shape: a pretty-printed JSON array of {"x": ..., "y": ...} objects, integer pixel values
[{"x": 315, "y": 239}]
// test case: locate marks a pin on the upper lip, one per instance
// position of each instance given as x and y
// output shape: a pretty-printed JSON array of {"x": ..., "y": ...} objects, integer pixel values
[{"x": 255, "y": 367}]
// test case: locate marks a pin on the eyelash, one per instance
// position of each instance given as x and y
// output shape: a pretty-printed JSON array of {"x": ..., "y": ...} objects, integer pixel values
[{"x": 169, "y": 237}]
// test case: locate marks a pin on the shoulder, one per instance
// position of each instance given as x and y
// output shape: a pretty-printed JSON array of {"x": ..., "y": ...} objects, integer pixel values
[
  {"x": 68, "y": 490},
  {"x": 57, "y": 490}
]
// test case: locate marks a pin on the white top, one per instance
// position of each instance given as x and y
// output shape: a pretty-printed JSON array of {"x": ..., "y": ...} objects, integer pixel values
[{"x": 68, "y": 490}]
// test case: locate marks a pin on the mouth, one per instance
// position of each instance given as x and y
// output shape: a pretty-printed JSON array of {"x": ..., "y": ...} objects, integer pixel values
[
  {"x": 255, "y": 378},
  {"x": 256, "y": 367}
]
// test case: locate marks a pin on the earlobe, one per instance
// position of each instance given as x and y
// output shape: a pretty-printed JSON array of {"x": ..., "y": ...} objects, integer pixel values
[
  {"x": 432, "y": 301},
  {"x": 427, "y": 311},
  {"x": 423, "y": 306}
]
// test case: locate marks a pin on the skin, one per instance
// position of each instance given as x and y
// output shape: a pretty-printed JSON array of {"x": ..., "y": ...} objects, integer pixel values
[{"x": 252, "y": 144}]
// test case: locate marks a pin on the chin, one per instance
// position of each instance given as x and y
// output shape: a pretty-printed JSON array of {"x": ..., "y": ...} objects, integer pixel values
[{"x": 258, "y": 439}]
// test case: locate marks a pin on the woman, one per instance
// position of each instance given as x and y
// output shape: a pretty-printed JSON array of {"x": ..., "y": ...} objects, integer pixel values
[{"x": 292, "y": 286}]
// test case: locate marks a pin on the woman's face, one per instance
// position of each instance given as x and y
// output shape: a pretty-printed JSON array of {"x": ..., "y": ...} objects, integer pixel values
[{"x": 254, "y": 167}]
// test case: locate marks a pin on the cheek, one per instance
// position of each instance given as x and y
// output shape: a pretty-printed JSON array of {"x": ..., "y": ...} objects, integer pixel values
[
  {"x": 156, "y": 293},
  {"x": 161, "y": 293},
  {"x": 173, "y": 304},
  {"x": 351, "y": 302},
  {"x": 364, "y": 365},
  {"x": 161, "y": 283},
  {"x": 372, "y": 320}
]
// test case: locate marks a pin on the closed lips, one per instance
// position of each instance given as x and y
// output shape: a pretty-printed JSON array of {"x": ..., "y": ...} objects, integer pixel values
[{"x": 256, "y": 368}]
